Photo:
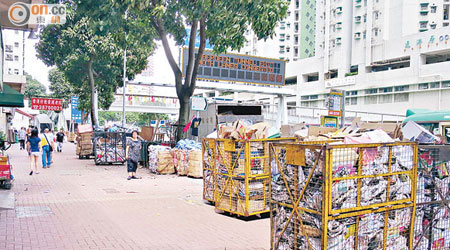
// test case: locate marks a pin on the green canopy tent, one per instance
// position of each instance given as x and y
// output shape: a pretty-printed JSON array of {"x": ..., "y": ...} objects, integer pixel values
[{"x": 10, "y": 97}]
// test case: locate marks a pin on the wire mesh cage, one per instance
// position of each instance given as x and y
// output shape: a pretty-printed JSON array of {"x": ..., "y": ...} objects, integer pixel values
[
  {"x": 109, "y": 147},
  {"x": 342, "y": 196},
  {"x": 209, "y": 173},
  {"x": 432, "y": 223},
  {"x": 242, "y": 175}
]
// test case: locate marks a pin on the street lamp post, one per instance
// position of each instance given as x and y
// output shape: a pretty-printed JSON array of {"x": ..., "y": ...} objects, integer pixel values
[{"x": 124, "y": 77}]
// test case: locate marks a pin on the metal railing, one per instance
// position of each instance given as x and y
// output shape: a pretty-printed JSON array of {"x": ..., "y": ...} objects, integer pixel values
[{"x": 298, "y": 114}]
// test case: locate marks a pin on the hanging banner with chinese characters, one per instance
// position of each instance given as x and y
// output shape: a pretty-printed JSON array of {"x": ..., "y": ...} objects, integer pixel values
[{"x": 46, "y": 104}]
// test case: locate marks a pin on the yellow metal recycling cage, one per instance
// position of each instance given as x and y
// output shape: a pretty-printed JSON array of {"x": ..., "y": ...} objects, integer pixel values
[
  {"x": 341, "y": 196},
  {"x": 209, "y": 173},
  {"x": 432, "y": 222},
  {"x": 243, "y": 175}
]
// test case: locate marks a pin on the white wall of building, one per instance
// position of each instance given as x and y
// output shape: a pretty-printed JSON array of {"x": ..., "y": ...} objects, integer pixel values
[
  {"x": 388, "y": 48},
  {"x": 13, "y": 42}
]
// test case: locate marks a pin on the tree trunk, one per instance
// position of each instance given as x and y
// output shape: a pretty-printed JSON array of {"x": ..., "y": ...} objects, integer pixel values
[
  {"x": 183, "y": 118},
  {"x": 94, "y": 103}
]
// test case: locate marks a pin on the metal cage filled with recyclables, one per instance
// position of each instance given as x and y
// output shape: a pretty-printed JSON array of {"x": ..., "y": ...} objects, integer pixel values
[
  {"x": 432, "y": 223},
  {"x": 243, "y": 176},
  {"x": 109, "y": 147},
  {"x": 343, "y": 196},
  {"x": 209, "y": 173}
]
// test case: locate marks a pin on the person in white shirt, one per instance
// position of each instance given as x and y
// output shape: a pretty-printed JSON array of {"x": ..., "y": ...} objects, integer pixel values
[{"x": 22, "y": 137}]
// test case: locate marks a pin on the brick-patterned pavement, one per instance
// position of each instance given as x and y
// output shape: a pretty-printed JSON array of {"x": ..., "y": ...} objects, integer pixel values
[{"x": 77, "y": 205}]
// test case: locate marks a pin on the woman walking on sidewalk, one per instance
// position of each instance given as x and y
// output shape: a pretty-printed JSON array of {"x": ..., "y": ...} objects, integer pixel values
[
  {"x": 132, "y": 154},
  {"x": 34, "y": 148}
]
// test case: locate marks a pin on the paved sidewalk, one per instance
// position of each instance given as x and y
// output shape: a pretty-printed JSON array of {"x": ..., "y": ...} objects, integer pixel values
[{"x": 77, "y": 205}]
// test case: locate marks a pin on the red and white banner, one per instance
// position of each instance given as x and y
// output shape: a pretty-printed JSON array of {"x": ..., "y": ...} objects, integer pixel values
[{"x": 46, "y": 104}]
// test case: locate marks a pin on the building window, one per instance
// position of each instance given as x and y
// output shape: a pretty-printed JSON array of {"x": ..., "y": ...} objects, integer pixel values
[
  {"x": 350, "y": 93},
  {"x": 446, "y": 84},
  {"x": 8, "y": 48},
  {"x": 288, "y": 37},
  {"x": 370, "y": 99},
  {"x": 16, "y": 44},
  {"x": 9, "y": 57},
  {"x": 371, "y": 91},
  {"x": 434, "y": 85},
  {"x": 16, "y": 58},
  {"x": 295, "y": 52},
  {"x": 423, "y": 86},
  {"x": 401, "y": 88},
  {"x": 433, "y": 9},
  {"x": 433, "y": 26},
  {"x": 385, "y": 90},
  {"x": 351, "y": 101},
  {"x": 16, "y": 71},
  {"x": 403, "y": 97},
  {"x": 385, "y": 99}
]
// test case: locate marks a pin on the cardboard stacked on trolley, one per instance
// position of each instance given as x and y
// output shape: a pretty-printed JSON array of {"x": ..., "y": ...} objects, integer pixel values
[{"x": 85, "y": 146}]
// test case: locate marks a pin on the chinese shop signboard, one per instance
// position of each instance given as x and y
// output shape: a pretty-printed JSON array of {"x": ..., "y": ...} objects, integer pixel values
[
  {"x": 238, "y": 68},
  {"x": 46, "y": 104}
]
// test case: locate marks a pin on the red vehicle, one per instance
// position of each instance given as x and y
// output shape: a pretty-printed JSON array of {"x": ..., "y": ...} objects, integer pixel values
[{"x": 5, "y": 169}]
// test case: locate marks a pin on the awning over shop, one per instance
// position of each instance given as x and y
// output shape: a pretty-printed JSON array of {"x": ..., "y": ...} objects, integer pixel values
[{"x": 10, "y": 98}]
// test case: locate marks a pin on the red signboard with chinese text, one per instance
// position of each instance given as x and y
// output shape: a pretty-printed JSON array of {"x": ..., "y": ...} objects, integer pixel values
[
  {"x": 46, "y": 104},
  {"x": 334, "y": 113}
]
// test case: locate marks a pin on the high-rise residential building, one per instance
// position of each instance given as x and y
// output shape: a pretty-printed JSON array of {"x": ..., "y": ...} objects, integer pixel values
[
  {"x": 294, "y": 36},
  {"x": 13, "y": 58},
  {"x": 388, "y": 55}
]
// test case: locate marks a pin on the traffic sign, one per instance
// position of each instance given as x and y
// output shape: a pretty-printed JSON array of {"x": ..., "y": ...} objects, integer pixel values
[{"x": 199, "y": 103}]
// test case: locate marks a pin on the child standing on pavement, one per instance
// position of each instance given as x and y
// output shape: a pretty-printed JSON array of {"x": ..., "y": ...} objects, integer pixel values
[{"x": 34, "y": 148}]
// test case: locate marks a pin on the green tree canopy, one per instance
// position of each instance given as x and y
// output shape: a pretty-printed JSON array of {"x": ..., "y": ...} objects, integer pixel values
[
  {"x": 139, "y": 119},
  {"x": 34, "y": 88},
  {"x": 59, "y": 86},
  {"x": 223, "y": 23},
  {"x": 89, "y": 50}
]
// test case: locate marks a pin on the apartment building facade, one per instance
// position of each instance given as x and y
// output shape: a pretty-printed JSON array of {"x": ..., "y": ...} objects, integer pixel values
[
  {"x": 295, "y": 36},
  {"x": 388, "y": 55}
]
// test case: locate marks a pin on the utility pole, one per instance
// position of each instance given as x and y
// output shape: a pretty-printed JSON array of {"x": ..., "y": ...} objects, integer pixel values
[{"x": 124, "y": 122}]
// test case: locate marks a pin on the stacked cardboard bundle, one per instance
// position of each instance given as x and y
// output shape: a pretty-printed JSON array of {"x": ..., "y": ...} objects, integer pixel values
[
  {"x": 240, "y": 130},
  {"x": 85, "y": 146},
  {"x": 181, "y": 160},
  {"x": 195, "y": 166},
  {"x": 160, "y": 160}
]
